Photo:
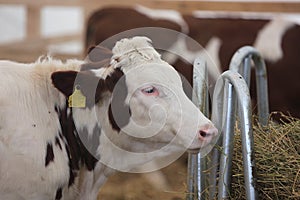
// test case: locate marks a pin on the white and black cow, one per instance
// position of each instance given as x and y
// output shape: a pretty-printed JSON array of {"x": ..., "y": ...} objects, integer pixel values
[{"x": 51, "y": 151}]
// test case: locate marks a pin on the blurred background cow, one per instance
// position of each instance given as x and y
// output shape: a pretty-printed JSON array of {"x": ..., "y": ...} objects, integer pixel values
[{"x": 275, "y": 37}]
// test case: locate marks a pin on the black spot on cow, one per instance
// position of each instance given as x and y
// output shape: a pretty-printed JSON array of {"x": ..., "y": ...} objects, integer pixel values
[
  {"x": 71, "y": 144},
  {"x": 56, "y": 108},
  {"x": 77, "y": 152},
  {"x": 119, "y": 112},
  {"x": 72, "y": 176},
  {"x": 60, "y": 135},
  {"x": 57, "y": 142},
  {"x": 112, "y": 121},
  {"x": 49, "y": 154},
  {"x": 91, "y": 142},
  {"x": 58, "y": 195}
]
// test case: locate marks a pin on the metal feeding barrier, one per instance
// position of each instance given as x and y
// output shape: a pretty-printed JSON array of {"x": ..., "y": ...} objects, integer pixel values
[
  {"x": 231, "y": 93},
  {"x": 241, "y": 62},
  {"x": 196, "y": 161}
]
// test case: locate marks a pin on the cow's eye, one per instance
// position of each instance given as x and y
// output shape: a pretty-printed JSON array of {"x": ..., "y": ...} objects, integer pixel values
[{"x": 150, "y": 91}]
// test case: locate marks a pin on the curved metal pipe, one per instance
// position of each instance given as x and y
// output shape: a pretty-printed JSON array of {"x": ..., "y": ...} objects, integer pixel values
[
  {"x": 196, "y": 181},
  {"x": 240, "y": 64},
  {"x": 240, "y": 88}
]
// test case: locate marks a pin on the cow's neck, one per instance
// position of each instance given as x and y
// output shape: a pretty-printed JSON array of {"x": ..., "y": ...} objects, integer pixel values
[{"x": 78, "y": 153}]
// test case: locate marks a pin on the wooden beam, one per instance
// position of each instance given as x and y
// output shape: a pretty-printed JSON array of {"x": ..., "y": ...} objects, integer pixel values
[
  {"x": 22, "y": 55},
  {"x": 43, "y": 2},
  {"x": 34, "y": 46},
  {"x": 82, "y": 3},
  {"x": 189, "y": 6},
  {"x": 33, "y": 22},
  {"x": 39, "y": 43},
  {"x": 180, "y": 5}
]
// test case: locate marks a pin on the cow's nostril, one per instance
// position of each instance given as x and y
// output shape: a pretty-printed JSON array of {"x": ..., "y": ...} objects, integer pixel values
[
  {"x": 203, "y": 133},
  {"x": 207, "y": 133}
]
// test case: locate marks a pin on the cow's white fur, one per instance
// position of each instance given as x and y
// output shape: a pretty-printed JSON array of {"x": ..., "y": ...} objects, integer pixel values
[
  {"x": 160, "y": 14},
  {"x": 28, "y": 121},
  {"x": 269, "y": 39},
  {"x": 128, "y": 54}
]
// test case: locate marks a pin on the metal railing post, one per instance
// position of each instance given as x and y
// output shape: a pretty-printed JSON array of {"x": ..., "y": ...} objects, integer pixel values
[
  {"x": 227, "y": 141},
  {"x": 232, "y": 92},
  {"x": 214, "y": 167},
  {"x": 245, "y": 70},
  {"x": 240, "y": 88},
  {"x": 243, "y": 55},
  {"x": 223, "y": 113},
  {"x": 196, "y": 162}
]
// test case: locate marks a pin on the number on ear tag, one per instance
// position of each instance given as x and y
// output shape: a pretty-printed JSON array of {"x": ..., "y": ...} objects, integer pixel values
[{"x": 77, "y": 99}]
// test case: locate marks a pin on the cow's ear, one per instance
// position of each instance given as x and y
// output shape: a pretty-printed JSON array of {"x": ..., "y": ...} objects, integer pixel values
[
  {"x": 87, "y": 83},
  {"x": 98, "y": 53},
  {"x": 64, "y": 81}
]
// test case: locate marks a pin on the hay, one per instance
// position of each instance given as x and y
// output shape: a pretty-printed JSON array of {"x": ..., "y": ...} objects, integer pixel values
[{"x": 277, "y": 154}]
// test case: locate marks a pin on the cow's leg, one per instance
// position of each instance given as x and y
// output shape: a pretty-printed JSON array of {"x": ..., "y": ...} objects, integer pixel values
[
  {"x": 86, "y": 186},
  {"x": 91, "y": 181}
]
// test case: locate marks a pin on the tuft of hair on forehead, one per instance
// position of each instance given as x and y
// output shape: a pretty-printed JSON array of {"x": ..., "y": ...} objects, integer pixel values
[{"x": 134, "y": 51}]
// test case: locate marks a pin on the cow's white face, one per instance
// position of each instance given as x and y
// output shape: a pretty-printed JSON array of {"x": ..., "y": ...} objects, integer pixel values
[
  {"x": 160, "y": 111},
  {"x": 162, "y": 120}
]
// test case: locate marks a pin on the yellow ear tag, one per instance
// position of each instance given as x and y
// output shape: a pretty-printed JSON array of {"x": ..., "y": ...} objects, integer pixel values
[{"x": 77, "y": 99}]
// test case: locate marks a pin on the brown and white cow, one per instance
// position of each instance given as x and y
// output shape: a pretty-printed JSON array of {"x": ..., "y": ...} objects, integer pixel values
[
  {"x": 126, "y": 112},
  {"x": 276, "y": 37}
]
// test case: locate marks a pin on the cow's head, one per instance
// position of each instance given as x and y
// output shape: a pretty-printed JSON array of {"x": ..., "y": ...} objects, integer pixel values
[{"x": 139, "y": 100}]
